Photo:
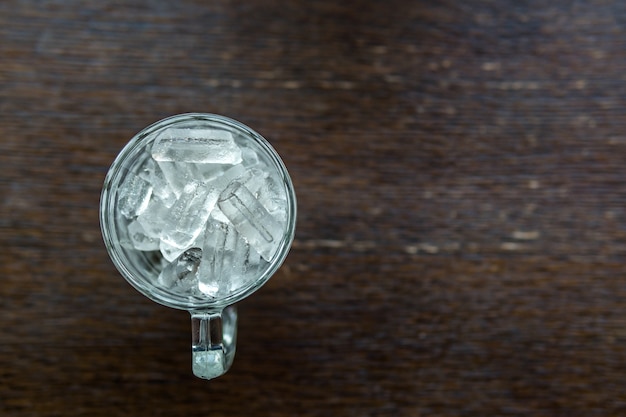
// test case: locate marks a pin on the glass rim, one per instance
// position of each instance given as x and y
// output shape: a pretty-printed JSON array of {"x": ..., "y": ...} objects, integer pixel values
[{"x": 117, "y": 252}]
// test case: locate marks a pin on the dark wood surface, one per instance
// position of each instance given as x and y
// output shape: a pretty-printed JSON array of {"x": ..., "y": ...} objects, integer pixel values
[{"x": 460, "y": 173}]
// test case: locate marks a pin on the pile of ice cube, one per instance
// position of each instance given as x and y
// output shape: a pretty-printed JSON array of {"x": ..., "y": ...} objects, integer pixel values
[{"x": 212, "y": 205}]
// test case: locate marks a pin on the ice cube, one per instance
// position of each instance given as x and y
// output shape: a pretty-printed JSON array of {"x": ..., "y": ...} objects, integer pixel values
[
  {"x": 251, "y": 219},
  {"x": 254, "y": 179},
  {"x": 182, "y": 273},
  {"x": 228, "y": 263},
  {"x": 214, "y": 249},
  {"x": 139, "y": 238},
  {"x": 249, "y": 156},
  {"x": 252, "y": 260},
  {"x": 218, "y": 184},
  {"x": 217, "y": 215},
  {"x": 243, "y": 267},
  {"x": 187, "y": 217},
  {"x": 133, "y": 196},
  {"x": 153, "y": 218},
  {"x": 208, "y": 172},
  {"x": 161, "y": 189},
  {"x": 273, "y": 197},
  {"x": 169, "y": 252},
  {"x": 196, "y": 146},
  {"x": 227, "y": 177},
  {"x": 176, "y": 175}
]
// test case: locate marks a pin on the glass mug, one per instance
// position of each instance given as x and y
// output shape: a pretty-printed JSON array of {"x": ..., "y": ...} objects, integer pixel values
[{"x": 197, "y": 212}]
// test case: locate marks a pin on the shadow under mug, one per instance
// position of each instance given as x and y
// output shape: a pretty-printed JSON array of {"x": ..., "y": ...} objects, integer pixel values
[{"x": 213, "y": 316}]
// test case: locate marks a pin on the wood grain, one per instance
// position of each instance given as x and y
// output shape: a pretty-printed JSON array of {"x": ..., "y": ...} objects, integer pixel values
[{"x": 459, "y": 167}]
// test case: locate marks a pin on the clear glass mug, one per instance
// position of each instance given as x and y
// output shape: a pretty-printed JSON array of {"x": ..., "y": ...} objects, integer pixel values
[{"x": 197, "y": 212}]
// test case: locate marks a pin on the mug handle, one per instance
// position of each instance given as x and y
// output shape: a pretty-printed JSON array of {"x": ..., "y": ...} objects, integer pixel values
[{"x": 213, "y": 341}]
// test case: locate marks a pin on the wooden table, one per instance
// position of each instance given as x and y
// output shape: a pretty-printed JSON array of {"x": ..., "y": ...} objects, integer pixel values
[{"x": 460, "y": 172}]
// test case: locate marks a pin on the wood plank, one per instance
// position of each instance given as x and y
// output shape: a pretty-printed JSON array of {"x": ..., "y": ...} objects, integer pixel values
[{"x": 460, "y": 173}]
